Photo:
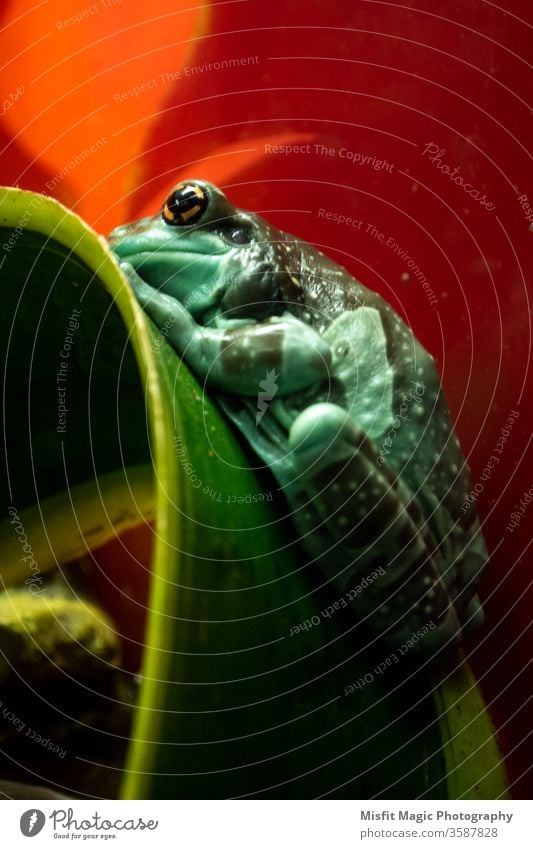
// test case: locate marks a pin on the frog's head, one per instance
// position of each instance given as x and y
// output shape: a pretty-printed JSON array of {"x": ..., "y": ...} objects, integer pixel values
[{"x": 208, "y": 254}]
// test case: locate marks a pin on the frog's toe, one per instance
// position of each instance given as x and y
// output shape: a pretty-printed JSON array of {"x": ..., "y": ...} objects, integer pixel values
[{"x": 446, "y": 635}]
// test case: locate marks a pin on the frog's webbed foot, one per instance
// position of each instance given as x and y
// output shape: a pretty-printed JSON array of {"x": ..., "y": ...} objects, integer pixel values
[{"x": 359, "y": 521}]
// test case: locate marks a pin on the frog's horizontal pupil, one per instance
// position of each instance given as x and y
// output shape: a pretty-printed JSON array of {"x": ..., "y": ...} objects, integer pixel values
[{"x": 185, "y": 205}]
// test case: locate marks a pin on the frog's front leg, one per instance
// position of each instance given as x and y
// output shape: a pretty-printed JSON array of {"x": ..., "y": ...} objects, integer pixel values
[
  {"x": 237, "y": 359},
  {"x": 358, "y": 520}
]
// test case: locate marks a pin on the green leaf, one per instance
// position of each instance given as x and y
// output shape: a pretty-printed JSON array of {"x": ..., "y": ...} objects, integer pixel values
[{"x": 230, "y": 704}]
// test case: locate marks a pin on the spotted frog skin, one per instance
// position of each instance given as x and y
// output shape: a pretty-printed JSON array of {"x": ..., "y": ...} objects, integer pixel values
[{"x": 334, "y": 393}]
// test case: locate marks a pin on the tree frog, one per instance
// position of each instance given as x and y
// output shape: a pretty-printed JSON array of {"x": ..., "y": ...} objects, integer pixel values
[{"x": 334, "y": 393}]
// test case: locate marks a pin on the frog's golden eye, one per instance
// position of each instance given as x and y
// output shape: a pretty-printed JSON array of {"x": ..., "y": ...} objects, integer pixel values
[{"x": 185, "y": 205}]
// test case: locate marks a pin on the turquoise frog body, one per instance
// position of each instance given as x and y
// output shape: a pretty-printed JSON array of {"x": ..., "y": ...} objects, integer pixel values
[{"x": 334, "y": 393}]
